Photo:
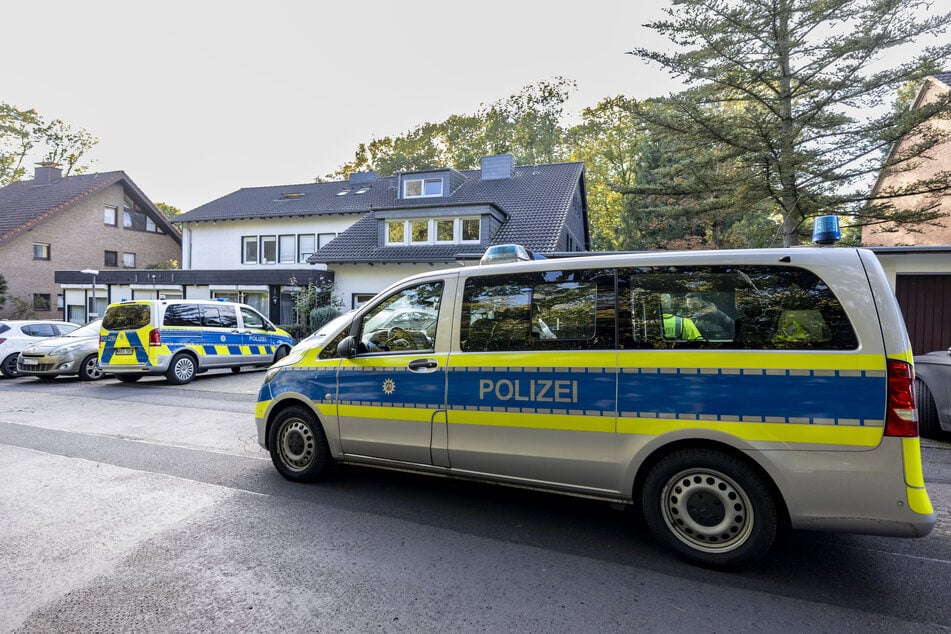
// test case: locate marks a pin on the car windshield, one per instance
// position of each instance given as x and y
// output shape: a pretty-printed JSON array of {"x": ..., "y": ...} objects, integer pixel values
[
  {"x": 329, "y": 328},
  {"x": 89, "y": 330}
]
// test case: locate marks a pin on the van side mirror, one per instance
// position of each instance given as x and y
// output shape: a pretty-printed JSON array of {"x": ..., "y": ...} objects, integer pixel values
[{"x": 347, "y": 347}]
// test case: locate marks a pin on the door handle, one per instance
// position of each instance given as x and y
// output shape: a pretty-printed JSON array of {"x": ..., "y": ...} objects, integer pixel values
[{"x": 423, "y": 364}]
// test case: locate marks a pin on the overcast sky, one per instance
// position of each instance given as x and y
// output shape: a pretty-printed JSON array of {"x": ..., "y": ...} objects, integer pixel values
[{"x": 196, "y": 99}]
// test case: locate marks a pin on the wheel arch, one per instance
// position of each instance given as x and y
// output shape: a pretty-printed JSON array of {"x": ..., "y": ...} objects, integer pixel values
[
  {"x": 289, "y": 400},
  {"x": 658, "y": 453}
]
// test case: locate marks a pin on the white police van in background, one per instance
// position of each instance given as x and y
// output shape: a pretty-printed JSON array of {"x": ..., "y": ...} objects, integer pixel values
[
  {"x": 724, "y": 393},
  {"x": 180, "y": 338}
]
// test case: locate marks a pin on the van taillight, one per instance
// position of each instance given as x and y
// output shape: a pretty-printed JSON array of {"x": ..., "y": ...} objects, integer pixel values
[
  {"x": 155, "y": 337},
  {"x": 901, "y": 418}
]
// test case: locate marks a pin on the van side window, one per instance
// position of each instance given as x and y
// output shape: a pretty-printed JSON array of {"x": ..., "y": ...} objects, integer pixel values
[
  {"x": 223, "y": 316},
  {"x": 403, "y": 322},
  {"x": 252, "y": 319},
  {"x": 555, "y": 310},
  {"x": 182, "y": 315},
  {"x": 730, "y": 307}
]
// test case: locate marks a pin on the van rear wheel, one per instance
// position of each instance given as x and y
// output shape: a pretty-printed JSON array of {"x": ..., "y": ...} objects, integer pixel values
[
  {"x": 181, "y": 370},
  {"x": 710, "y": 508},
  {"x": 298, "y": 445}
]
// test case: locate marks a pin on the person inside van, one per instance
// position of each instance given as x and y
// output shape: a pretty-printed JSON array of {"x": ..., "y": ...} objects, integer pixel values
[
  {"x": 676, "y": 326},
  {"x": 713, "y": 323}
]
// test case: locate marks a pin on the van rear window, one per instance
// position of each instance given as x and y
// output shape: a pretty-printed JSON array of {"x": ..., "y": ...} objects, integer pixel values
[
  {"x": 731, "y": 307},
  {"x": 127, "y": 317}
]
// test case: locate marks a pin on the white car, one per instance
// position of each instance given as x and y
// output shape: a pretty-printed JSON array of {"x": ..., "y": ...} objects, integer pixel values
[{"x": 15, "y": 335}]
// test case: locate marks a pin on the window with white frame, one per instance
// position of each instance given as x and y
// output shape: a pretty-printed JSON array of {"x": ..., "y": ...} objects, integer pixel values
[
  {"x": 419, "y": 231},
  {"x": 433, "y": 231},
  {"x": 249, "y": 250},
  {"x": 110, "y": 215},
  {"x": 305, "y": 246},
  {"x": 470, "y": 229},
  {"x": 128, "y": 260},
  {"x": 268, "y": 249},
  {"x": 323, "y": 239},
  {"x": 422, "y": 187},
  {"x": 287, "y": 249}
]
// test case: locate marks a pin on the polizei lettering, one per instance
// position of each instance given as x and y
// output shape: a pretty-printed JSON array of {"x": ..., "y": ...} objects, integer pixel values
[{"x": 533, "y": 390}]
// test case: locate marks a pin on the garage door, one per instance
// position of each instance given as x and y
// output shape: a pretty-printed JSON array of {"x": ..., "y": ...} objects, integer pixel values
[{"x": 925, "y": 301}]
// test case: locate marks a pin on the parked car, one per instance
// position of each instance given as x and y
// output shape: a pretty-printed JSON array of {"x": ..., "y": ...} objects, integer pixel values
[
  {"x": 15, "y": 335},
  {"x": 74, "y": 354},
  {"x": 933, "y": 393}
]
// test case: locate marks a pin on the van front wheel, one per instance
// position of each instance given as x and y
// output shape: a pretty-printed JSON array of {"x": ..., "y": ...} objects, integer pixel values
[
  {"x": 298, "y": 445},
  {"x": 181, "y": 370},
  {"x": 710, "y": 508}
]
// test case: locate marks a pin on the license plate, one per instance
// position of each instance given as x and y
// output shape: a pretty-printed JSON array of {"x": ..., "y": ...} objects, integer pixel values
[
  {"x": 123, "y": 350},
  {"x": 30, "y": 362}
]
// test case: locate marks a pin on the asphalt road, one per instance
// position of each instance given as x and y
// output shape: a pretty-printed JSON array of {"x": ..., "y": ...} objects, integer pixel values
[{"x": 150, "y": 508}]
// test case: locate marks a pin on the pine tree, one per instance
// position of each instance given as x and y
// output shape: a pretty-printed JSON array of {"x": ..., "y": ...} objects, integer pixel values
[{"x": 787, "y": 108}]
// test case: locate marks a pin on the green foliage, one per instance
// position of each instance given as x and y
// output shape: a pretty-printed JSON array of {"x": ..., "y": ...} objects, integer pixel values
[
  {"x": 611, "y": 143},
  {"x": 22, "y": 308},
  {"x": 16, "y": 140},
  {"x": 23, "y": 131},
  {"x": 65, "y": 145},
  {"x": 166, "y": 265},
  {"x": 322, "y": 315},
  {"x": 311, "y": 297},
  {"x": 526, "y": 125},
  {"x": 168, "y": 210},
  {"x": 780, "y": 109}
]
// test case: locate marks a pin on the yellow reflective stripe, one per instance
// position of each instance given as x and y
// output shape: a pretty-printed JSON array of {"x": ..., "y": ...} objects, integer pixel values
[
  {"x": 562, "y": 422},
  {"x": 785, "y": 360},
  {"x": 911, "y": 453},
  {"x": 906, "y": 356},
  {"x": 919, "y": 502},
  {"x": 761, "y": 432},
  {"x": 381, "y": 412},
  {"x": 516, "y": 360},
  {"x": 260, "y": 408}
]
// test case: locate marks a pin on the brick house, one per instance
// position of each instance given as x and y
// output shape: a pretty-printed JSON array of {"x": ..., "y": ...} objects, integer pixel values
[
  {"x": 96, "y": 222},
  {"x": 919, "y": 262}
]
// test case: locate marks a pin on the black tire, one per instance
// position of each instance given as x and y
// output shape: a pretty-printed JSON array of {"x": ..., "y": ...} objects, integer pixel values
[
  {"x": 928, "y": 424},
  {"x": 182, "y": 369},
  {"x": 9, "y": 366},
  {"x": 236, "y": 369},
  {"x": 298, "y": 445},
  {"x": 128, "y": 378},
  {"x": 710, "y": 508},
  {"x": 89, "y": 369},
  {"x": 280, "y": 353}
]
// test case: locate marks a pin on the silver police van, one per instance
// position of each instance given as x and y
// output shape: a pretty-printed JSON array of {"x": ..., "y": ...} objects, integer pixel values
[{"x": 724, "y": 394}]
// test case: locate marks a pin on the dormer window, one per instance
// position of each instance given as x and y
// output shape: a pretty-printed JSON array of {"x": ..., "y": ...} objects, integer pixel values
[
  {"x": 422, "y": 187},
  {"x": 432, "y": 231}
]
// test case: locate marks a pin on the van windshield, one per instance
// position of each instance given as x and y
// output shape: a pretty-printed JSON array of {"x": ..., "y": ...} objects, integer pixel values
[{"x": 127, "y": 317}]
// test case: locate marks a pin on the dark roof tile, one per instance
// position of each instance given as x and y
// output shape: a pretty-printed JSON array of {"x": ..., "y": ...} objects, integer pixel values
[{"x": 24, "y": 204}]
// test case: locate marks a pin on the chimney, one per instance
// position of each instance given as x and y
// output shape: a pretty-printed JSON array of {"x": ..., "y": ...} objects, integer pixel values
[
  {"x": 498, "y": 167},
  {"x": 47, "y": 173},
  {"x": 361, "y": 178}
]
